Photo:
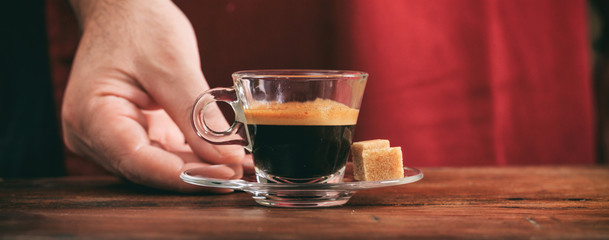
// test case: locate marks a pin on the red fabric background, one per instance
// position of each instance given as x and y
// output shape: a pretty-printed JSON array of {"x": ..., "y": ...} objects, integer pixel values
[
  {"x": 475, "y": 82},
  {"x": 455, "y": 83}
]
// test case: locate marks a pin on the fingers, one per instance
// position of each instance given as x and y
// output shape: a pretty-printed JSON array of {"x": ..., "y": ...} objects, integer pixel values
[
  {"x": 122, "y": 145},
  {"x": 177, "y": 98},
  {"x": 164, "y": 133},
  {"x": 154, "y": 167},
  {"x": 248, "y": 165}
]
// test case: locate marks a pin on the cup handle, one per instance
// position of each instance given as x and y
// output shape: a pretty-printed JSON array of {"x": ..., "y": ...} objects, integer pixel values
[{"x": 236, "y": 134}]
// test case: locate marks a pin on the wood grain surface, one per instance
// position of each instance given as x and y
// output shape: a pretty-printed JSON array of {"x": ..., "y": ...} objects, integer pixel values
[{"x": 449, "y": 203}]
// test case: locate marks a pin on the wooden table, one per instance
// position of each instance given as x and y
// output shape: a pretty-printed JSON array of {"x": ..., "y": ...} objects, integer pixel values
[{"x": 469, "y": 203}]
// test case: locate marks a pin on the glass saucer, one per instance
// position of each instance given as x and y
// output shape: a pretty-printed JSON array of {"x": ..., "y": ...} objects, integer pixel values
[{"x": 300, "y": 195}]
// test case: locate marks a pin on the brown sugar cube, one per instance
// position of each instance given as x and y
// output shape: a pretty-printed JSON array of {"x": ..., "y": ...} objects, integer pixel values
[
  {"x": 375, "y": 161},
  {"x": 356, "y": 154},
  {"x": 382, "y": 164}
]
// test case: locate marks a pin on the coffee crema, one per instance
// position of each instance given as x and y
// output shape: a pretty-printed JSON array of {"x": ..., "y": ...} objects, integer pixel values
[
  {"x": 300, "y": 141},
  {"x": 318, "y": 112}
]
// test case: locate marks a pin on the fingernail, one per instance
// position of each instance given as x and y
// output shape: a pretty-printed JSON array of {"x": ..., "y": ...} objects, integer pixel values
[{"x": 214, "y": 171}]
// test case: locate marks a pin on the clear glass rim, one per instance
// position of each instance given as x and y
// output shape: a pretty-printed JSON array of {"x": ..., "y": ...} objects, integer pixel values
[{"x": 308, "y": 74}]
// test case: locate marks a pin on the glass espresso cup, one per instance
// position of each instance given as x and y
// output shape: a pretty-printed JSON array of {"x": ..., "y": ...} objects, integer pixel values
[{"x": 298, "y": 124}]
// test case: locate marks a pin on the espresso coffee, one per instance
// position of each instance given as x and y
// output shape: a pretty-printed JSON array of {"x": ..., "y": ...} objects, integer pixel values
[{"x": 300, "y": 141}]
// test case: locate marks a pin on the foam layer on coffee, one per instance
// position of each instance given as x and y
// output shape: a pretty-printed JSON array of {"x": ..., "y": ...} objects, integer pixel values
[{"x": 321, "y": 112}]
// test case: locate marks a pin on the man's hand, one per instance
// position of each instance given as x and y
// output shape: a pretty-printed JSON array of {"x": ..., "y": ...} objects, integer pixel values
[{"x": 127, "y": 105}]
